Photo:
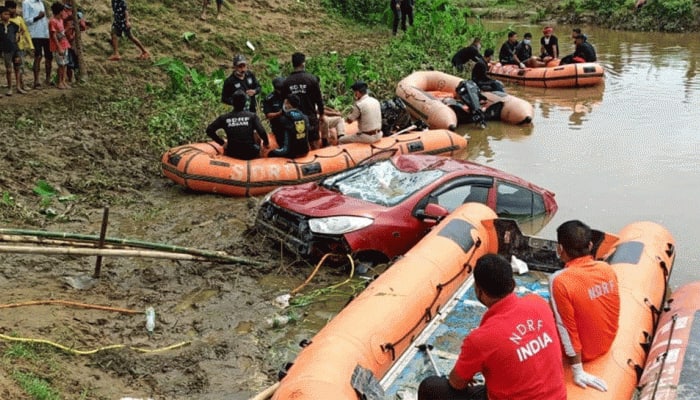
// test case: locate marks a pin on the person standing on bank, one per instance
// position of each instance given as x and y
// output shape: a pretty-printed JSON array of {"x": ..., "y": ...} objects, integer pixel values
[
  {"x": 498, "y": 348},
  {"x": 396, "y": 10},
  {"x": 368, "y": 113},
  {"x": 586, "y": 302},
  {"x": 243, "y": 128},
  {"x": 406, "y": 13},
  {"x": 296, "y": 125},
  {"x": 308, "y": 88},
  {"x": 34, "y": 13},
  {"x": 241, "y": 79}
]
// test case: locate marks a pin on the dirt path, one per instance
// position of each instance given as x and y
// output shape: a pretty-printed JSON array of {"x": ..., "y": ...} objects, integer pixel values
[{"x": 215, "y": 315}]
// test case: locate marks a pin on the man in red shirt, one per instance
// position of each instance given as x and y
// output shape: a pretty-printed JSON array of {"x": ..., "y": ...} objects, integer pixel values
[
  {"x": 515, "y": 347},
  {"x": 586, "y": 301}
]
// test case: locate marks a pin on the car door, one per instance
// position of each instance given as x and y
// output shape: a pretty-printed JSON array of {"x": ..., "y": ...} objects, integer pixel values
[
  {"x": 455, "y": 192},
  {"x": 515, "y": 201}
]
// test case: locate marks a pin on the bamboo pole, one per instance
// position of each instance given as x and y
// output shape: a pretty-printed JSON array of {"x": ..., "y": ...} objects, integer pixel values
[
  {"x": 129, "y": 242},
  {"x": 122, "y": 253}
]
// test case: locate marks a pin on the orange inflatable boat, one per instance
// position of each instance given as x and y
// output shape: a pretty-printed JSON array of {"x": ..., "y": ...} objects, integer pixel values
[
  {"x": 365, "y": 338},
  {"x": 203, "y": 167},
  {"x": 551, "y": 76},
  {"x": 421, "y": 90},
  {"x": 671, "y": 371},
  {"x": 642, "y": 258}
]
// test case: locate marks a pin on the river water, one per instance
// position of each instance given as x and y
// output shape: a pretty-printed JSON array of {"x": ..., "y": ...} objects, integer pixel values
[{"x": 617, "y": 153}]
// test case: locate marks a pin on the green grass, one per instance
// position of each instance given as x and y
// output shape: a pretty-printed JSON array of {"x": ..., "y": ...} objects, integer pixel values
[{"x": 37, "y": 388}]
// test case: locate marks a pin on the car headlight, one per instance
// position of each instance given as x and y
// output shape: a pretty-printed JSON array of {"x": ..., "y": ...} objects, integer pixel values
[{"x": 338, "y": 225}]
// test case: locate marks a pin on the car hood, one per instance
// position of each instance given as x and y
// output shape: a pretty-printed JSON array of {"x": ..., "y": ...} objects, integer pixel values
[{"x": 316, "y": 201}]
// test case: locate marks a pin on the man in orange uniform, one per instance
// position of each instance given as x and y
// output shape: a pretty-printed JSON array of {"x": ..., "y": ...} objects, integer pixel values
[
  {"x": 586, "y": 302},
  {"x": 515, "y": 347}
]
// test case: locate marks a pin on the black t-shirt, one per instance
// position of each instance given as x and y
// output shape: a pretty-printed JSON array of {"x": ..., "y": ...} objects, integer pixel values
[
  {"x": 479, "y": 71},
  {"x": 306, "y": 86},
  {"x": 549, "y": 48},
  {"x": 296, "y": 135},
  {"x": 234, "y": 83},
  {"x": 505, "y": 55},
  {"x": 273, "y": 103},
  {"x": 8, "y": 38},
  {"x": 465, "y": 54},
  {"x": 239, "y": 127}
]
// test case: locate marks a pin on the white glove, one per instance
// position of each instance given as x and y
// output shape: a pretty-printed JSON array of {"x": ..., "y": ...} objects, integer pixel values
[
  {"x": 522, "y": 65},
  {"x": 584, "y": 379}
]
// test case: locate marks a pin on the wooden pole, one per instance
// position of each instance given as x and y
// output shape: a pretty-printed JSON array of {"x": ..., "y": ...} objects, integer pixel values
[{"x": 101, "y": 243}]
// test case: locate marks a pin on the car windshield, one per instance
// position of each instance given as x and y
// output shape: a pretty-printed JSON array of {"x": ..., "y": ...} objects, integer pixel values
[{"x": 381, "y": 182}]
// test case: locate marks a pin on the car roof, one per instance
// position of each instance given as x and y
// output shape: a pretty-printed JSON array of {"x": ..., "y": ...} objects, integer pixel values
[{"x": 418, "y": 162}]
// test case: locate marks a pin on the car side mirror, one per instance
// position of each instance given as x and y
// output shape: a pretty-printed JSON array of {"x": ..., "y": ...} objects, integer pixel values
[{"x": 435, "y": 211}]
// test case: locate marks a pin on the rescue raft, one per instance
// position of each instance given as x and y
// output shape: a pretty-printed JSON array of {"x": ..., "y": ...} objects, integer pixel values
[
  {"x": 551, "y": 76},
  {"x": 424, "y": 91},
  {"x": 203, "y": 167},
  {"x": 362, "y": 342},
  {"x": 371, "y": 346},
  {"x": 671, "y": 370}
]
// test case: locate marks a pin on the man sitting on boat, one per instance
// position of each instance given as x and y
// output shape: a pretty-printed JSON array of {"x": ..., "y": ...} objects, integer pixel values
[
  {"x": 368, "y": 113},
  {"x": 524, "y": 52},
  {"x": 243, "y": 128},
  {"x": 480, "y": 74},
  {"x": 296, "y": 130},
  {"x": 507, "y": 53},
  {"x": 586, "y": 301},
  {"x": 549, "y": 45},
  {"x": 515, "y": 347},
  {"x": 584, "y": 52}
]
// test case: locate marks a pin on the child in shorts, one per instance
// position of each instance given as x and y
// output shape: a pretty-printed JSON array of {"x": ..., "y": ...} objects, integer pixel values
[
  {"x": 59, "y": 43},
  {"x": 24, "y": 44},
  {"x": 8, "y": 44}
]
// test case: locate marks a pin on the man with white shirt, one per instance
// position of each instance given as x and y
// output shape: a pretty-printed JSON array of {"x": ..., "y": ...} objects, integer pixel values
[{"x": 34, "y": 14}]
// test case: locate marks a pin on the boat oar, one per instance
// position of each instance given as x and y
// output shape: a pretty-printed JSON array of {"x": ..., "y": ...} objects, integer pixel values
[
  {"x": 407, "y": 129},
  {"x": 426, "y": 348}
]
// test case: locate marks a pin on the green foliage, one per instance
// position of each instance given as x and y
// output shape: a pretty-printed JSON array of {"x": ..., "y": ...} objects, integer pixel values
[
  {"x": 178, "y": 116},
  {"x": 21, "y": 350},
  {"x": 7, "y": 199},
  {"x": 671, "y": 15},
  {"x": 37, "y": 388},
  {"x": 364, "y": 11}
]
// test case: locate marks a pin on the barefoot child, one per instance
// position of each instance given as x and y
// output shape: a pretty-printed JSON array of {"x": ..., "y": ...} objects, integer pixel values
[
  {"x": 59, "y": 43},
  {"x": 8, "y": 44},
  {"x": 24, "y": 45}
]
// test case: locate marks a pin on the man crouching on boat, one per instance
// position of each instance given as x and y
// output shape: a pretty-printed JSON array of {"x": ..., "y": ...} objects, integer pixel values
[{"x": 515, "y": 347}]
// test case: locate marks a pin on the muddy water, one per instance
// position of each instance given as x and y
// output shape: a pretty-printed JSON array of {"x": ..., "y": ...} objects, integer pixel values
[{"x": 622, "y": 152}]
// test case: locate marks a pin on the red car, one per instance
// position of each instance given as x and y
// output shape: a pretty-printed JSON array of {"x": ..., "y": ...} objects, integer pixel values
[{"x": 378, "y": 211}]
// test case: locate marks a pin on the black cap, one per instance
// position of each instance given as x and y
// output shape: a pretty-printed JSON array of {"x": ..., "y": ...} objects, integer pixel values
[
  {"x": 488, "y": 53},
  {"x": 359, "y": 86}
]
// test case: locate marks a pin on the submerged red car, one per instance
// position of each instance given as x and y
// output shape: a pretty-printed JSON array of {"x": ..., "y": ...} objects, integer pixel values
[{"x": 378, "y": 211}]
